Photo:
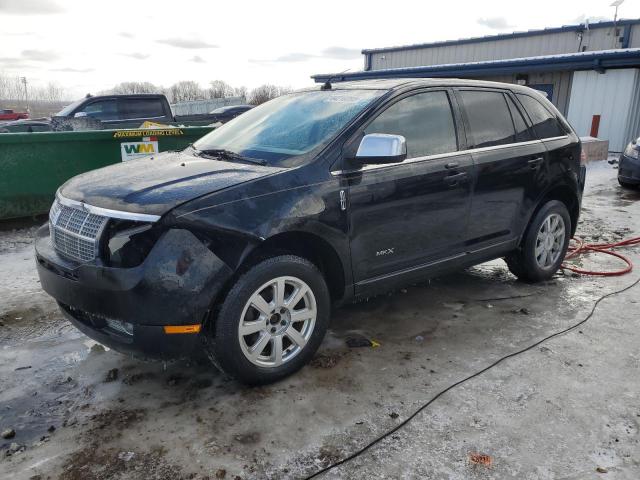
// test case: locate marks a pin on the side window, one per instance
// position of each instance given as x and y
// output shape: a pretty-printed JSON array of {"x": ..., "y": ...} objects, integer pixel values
[
  {"x": 489, "y": 118},
  {"x": 545, "y": 123},
  {"x": 523, "y": 133},
  {"x": 425, "y": 120},
  {"x": 102, "y": 109},
  {"x": 142, "y": 108}
]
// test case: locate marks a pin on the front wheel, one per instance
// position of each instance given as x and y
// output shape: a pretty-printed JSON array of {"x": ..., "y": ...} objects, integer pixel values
[
  {"x": 624, "y": 184},
  {"x": 272, "y": 320},
  {"x": 544, "y": 245}
]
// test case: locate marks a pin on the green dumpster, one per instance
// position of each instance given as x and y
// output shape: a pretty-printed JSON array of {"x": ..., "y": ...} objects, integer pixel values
[{"x": 34, "y": 165}]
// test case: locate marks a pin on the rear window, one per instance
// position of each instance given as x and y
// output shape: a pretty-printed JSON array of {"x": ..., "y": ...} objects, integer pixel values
[
  {"x": 545, "y": 123},
  {"x": 489, "y": 118},
  {"x": 141, "y": 108},
  {"x": 523, "y": 132}
]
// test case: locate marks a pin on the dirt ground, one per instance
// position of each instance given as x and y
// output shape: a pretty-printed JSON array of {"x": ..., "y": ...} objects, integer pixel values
[{"x": 568, "y": 409}]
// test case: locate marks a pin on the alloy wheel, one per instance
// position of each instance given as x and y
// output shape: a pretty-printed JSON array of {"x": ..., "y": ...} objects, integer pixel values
[
  {"x": 550, "y": 241},
  {"x": 277, "y": 321}
]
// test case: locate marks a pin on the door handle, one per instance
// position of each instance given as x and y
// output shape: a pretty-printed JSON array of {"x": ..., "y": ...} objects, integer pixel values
[
  {"x": 451, "y": 165},
  {"x": 535, "y": 163},
  {"x": 453, "y": 180}
]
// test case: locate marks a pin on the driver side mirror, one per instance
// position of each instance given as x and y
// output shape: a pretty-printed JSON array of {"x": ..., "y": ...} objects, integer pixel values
[{"x": 381, "y": 148}]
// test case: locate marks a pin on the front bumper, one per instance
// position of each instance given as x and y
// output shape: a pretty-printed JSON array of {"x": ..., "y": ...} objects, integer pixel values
[
  {"x": 629, "y": 170},
  {"x": 175, "y": 285}
]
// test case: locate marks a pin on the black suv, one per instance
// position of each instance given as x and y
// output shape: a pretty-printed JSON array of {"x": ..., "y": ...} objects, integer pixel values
[{"x": 241, "y": 243}]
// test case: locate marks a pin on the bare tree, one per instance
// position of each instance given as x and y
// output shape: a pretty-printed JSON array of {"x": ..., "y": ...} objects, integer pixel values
[
  {"x": 136, "y": 87},
  {"x": 241, "y": 92},
  {"x": 53, "y": 92},
  {"x": 266, "y": 92},
  {"x": 43, "y": 100},
  {"x": 185, "y": 91},
  {"x": 11, "y": 88},
  {"x": 220, "y": 89}
]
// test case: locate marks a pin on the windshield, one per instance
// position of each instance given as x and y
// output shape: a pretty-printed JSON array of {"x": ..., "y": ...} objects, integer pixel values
[
  {"x": 290, "y": 125},
  {"x": 66, "y": 111}
]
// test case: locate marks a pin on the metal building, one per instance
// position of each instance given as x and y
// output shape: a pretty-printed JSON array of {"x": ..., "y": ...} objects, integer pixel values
[{"x": 589, "y": 71}]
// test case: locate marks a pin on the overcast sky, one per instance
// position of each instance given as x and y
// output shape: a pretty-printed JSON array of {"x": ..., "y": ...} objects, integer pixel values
[{"x": 87, "y": 46}]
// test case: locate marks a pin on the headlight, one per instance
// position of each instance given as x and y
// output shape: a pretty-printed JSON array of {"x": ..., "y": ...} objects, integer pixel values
[
  {"x": 632, "y": 150},
  {"x": 128, "y": 243}
]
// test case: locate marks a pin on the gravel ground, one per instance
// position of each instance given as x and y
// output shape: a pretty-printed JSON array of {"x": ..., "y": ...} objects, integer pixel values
[{"x": 567, "y": 409}]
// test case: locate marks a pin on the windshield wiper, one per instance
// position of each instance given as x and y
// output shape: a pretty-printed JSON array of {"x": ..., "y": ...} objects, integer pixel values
[{"x": 229, "y": 155}]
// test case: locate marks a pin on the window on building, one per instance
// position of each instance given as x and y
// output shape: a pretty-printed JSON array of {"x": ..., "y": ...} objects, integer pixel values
[
  {"x": 545, "y": 123},
  {"x": 142, "y": 108},
  {"x": 489, "y": 118},
  {"x": 523, "y": 133},
  {"x": 425, "y": 120}
]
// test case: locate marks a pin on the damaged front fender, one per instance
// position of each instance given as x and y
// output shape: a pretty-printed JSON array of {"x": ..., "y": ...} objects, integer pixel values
[{"x": 175, "y": 284}]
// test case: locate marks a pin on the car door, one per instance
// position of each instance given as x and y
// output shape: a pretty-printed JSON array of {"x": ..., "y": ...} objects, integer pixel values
[
  {"x": 135, "y": 111},
  {"x": 409, "y": 215},
  {"x": 562, "y": 148},
  {"x": 507, "y": 159},
  {"x": 105, "y": 109}
]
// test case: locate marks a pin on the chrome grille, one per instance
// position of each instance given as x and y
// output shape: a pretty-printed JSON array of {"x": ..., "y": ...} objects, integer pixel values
[{"x": 75, "y": 232}]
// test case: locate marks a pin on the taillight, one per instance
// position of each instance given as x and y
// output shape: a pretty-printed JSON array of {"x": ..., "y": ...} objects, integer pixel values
[{"x": 583, "y": 157}]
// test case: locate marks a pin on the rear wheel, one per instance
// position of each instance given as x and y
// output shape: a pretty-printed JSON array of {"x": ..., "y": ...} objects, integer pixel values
[
  {"x": 272, "y": 321},
  {"x": 545, "y": 244}
]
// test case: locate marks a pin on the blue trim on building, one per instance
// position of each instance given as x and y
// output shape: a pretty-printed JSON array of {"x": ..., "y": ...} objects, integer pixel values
[
  {"x": 490, "y": 38},
  {"x": 599, "y": 61}
]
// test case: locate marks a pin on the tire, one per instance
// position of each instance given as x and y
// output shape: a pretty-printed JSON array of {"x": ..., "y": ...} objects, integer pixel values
[
  {"x": 544, "y": 245},
  {"x": 252, "y": 357},
  {"x": 624, "y": 184}
]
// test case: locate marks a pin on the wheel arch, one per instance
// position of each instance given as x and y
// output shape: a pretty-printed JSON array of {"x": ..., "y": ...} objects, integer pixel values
[
  {"x": 306, "y": 245},
  {"x": 561, "y": 193}
]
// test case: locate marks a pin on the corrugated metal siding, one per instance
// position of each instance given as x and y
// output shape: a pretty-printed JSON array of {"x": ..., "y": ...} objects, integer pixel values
[
  {"x": 610, "y": 95},
  {"x": 561, "y": 82},
  {"x": 633, "y": 124},
  {"x": 195, "y": 107},
  {"x": 546, "y": 44},
  {"x": 635, "y": 37}
]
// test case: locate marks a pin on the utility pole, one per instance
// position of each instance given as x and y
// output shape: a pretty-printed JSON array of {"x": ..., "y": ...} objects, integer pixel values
[
  {"x": 616, "y": 4},
  {"x": 26, "y": 94}
]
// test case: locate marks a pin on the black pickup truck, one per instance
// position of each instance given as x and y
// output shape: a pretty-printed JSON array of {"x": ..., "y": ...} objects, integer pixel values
[{"x": 129, "y": 111}]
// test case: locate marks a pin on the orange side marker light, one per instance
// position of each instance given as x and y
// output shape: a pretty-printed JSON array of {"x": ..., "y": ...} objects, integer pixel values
[{"x": 171, "y": 329}]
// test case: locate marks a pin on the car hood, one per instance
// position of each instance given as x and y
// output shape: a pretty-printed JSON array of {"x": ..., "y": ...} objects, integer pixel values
[{"x": 155, "y": 185}]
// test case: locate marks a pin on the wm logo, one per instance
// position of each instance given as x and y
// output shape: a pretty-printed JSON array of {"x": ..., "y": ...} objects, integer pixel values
[
  {"x": 131, "y": 150},
  {"x": 139, "y": 148}
]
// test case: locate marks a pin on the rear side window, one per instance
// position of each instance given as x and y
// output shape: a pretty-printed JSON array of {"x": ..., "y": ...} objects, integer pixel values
[
  {"x": 489, "y": 118},
  {"x": 523, "y": 132},
  {"x": 425, "y": 120},
  {"x": 545, "y": 123},
  {"x": 142, "y": 108}
]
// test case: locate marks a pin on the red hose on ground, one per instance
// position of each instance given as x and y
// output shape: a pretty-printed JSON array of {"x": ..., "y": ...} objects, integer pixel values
[{"x": 580, "y": 247}]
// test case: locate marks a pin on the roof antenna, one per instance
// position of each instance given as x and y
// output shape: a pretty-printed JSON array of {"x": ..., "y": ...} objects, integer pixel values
[{"x": 327, "y": 85}]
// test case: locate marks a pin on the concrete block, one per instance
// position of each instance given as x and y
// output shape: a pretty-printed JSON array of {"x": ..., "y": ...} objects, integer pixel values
[{"x": 595, "y": 149}]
